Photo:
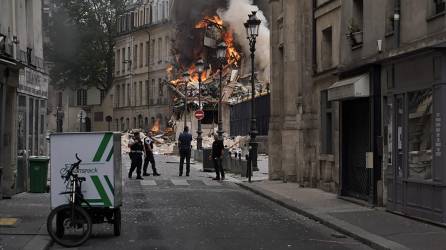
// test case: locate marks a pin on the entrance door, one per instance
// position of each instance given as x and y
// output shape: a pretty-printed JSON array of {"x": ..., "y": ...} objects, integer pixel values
[{"x": 355, "y": 143}]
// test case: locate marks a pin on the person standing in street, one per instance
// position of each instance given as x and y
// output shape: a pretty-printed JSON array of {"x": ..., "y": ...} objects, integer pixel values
[
  {"x": 136, "y": 149},
  {"x": 185, "y": 146},
  {"x": 217, "y": 157},
  {"x": 148, "y": 151}
]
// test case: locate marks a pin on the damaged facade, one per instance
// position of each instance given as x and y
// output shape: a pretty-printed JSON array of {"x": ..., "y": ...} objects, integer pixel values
[{"x": 376, "y": 73}]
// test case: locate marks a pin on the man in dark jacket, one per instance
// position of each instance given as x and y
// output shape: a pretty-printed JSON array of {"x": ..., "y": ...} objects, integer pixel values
[
  {"x": 184, "y": 145},
  {"x": 217, "y": 157},
  {"x": 148, "y": 151}
]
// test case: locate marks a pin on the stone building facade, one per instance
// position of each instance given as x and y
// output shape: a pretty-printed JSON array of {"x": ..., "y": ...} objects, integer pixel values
[
  {"x": 142, "y": 54},
  {"x": 372, "y": 128},
  {"x": 23, "y": 90}
]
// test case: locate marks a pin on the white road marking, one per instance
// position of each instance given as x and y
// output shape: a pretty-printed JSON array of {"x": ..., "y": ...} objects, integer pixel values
[
  {"x": 148, "y": 183},
  {"x": 178, "y": 182},
  {"x": 211, "y": 183}
]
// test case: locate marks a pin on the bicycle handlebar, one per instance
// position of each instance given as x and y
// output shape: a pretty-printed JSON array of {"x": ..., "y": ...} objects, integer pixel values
[{"x": 72, "y": 168}]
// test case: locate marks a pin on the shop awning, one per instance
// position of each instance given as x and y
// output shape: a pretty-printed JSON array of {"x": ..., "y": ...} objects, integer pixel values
[{"x": 354, "y": 87}]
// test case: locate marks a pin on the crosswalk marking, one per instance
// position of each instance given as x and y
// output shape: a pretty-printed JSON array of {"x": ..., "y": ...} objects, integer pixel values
[
  {"x": 178, "y": 182},
  {"x": 148, "y": 183},
  {"x": 211, "y": 183}
]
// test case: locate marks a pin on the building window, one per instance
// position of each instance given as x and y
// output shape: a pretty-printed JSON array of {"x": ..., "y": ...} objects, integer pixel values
[
  {"x": 161, "y": 89},
  {"x": 59, "y": 99},
  {"x": 160, "y": 50},
  {"x": 327, "y": 48},
  {"x": 128, "y": 59},
  {"x": 140, "y": 93},
  {"x": 134, "y": 93},
  {"x": 102, "y": 95},
  {"x": 439, "y": 6},
  {"x": 135, "y": 56},
  {"x": 152, "y": 52},
  {"x": 390, "y": 9},
  {"x": 118, "y": 96},
  {"x": 358, "y": 13},
  {"x": 420, "y": 134},
  {"x": 81, "y": 97},
  {"x": 123, "y": 60},
  {"x": 128, "y": 95},
  {"x": 98, "y": 116},
  {"x": 147, "y": 53},
  {"x": 141, "y": 55},
  {"x": 167, "y": 47},
  {"x": 118, "y": 60},
  {"x": 326, "y": 124}
]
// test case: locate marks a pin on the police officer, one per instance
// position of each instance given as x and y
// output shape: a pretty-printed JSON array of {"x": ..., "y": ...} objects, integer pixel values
[
  {"x": 148, "y": 150},
  {"x": 136, "y": 149},
  {"x": 184, "y": 144}
]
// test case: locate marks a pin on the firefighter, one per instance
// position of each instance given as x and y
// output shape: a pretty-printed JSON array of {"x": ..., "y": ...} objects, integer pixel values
[
  {"x": 136, "y": 150},
  {"x": 148, "y": 150}
]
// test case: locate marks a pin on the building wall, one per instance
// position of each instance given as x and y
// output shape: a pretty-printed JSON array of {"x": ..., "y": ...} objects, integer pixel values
[
  {"x": 23, "y": 74},
  {"x": 142, "y": 53}
]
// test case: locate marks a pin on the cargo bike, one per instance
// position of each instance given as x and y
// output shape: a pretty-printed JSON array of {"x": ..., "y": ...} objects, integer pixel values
[{"x": 86, "y": 185}]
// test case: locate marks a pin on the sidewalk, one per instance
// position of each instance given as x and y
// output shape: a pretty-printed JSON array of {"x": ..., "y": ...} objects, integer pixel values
[
  {"x": 375, "y": 227},
  {"x": 23, "y": 222}
]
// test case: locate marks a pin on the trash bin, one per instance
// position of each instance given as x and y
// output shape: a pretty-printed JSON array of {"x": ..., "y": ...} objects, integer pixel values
[{"x": 38, "y": 173}]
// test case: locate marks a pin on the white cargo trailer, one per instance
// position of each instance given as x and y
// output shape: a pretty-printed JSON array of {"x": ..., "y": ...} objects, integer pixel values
[{"x": 101, "y": 166}]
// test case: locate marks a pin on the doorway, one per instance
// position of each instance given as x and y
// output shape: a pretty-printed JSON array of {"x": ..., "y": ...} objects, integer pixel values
[{"x": 356, "y": 142}]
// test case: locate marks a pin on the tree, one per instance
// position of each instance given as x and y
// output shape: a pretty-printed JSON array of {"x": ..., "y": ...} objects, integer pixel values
[{"x": 82, "y": 36}]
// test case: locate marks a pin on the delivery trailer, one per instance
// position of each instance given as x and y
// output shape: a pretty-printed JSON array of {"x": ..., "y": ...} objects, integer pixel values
[{"x": 101, "y": 167}]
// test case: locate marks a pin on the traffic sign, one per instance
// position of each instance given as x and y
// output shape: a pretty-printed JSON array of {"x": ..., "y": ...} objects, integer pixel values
[{"x": 199, "y": 114}]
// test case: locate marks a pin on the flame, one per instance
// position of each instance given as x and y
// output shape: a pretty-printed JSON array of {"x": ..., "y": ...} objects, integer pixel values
[
  {"x": 169, "y": 71},
  {"x": 232, "y": 54},
  {"x": 209, "y": 20},
  {"x": 156, "y": 127}
]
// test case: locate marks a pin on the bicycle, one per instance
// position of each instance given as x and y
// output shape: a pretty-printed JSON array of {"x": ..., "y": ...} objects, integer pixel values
[{"x": 70, "y": 224}]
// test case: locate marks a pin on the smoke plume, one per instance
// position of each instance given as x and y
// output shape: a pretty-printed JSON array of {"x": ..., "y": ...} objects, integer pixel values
[{"x": 236, "y": 15}]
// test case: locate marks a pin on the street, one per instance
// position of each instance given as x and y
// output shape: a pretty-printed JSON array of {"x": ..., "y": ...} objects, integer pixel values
[{"x": 171, "y": 212}]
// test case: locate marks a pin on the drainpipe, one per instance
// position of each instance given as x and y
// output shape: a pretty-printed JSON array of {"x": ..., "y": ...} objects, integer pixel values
[{"x": 397, "y": 24}]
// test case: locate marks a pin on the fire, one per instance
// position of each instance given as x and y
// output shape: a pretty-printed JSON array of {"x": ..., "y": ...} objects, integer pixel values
[
  {"x": 169, "y": 71},
  {"x": 208, "y": 20},
  {"x": 232, "y": 54},
  {"x": 156, "y": 127}
]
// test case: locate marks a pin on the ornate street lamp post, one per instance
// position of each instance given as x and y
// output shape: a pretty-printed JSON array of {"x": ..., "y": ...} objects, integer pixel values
[
  {"x": 221, "y": 56},
  {"x": 186, "y": 77},
  {"x": 200, "y": 68},
  {"x": 252, "y": 32}
]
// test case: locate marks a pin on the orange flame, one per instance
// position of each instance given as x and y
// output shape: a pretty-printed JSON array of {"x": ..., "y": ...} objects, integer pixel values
[
  {"x": 156, "y": 127},
  {"x": 232, "y": 54},
  {"x": 208, "y": 20}
]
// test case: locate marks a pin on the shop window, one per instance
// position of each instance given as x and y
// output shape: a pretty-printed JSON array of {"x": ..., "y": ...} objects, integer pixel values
[
  {"x": 326, "y": 124},
  {"x": 420, "y": 134}
]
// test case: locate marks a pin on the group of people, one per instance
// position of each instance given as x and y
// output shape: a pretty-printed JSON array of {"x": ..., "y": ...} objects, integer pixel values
[
  {"x": 138, "y": 148},
  {"x": 144, "y": 147}
]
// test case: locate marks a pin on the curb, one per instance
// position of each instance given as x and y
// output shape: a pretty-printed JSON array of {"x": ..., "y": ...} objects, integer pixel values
[{"x": 372, "y": 240}]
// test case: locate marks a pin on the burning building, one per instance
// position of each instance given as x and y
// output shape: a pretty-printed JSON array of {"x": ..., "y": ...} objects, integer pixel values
[{"x": 199, "y": 30}]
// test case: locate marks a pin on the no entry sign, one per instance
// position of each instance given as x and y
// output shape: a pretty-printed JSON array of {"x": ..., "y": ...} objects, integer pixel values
[{"x": 199, "y": 114}]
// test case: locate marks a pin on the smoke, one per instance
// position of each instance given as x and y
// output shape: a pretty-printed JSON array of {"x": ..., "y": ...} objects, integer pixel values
[
  {"x": 186, "y": 14},
  {"x": 236, "y": 15}
]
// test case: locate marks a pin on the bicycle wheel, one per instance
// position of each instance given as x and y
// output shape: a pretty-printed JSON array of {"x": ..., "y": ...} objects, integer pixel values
[{"x": 69, "y": 226}]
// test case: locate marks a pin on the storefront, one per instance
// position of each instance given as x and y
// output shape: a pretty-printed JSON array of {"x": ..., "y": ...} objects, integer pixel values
[
  {"x": 414, "y": 109},
  {"x": 31, "y": 112},
  {"x": 359, "y": 123}
]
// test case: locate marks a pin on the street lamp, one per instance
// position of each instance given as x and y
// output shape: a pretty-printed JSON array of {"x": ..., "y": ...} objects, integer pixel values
[
  {"x": 252, "y": 32},
  {"x": 200, "y": 68},
  {"x": 186, "y": 77},
  {"x": 221, "y": 56}
]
